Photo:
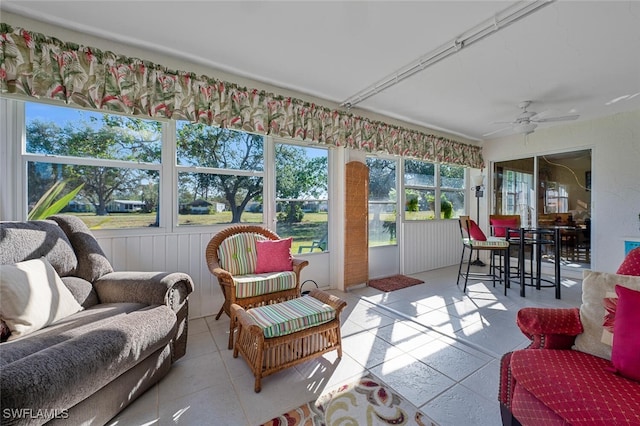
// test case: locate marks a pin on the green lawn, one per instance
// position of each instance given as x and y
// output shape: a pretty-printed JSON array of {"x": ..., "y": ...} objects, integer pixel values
[{"x": 313, "y": 226}]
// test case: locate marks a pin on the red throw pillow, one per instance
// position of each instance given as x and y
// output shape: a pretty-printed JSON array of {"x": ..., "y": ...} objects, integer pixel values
[
  {"x": 274, "y": 256},
  {"x": 625, "y": 354},
  {"x": 500, "y": 226},
  {"x": 475, "y": 232},
  {"x": 631, "y": 263}
]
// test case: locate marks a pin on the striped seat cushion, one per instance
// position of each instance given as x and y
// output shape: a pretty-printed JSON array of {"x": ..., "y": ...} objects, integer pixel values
[
  {"x": 237, "y": 253},
  {"x": 293, "y": 315},
  {"x": 485, "y": 244},
  {"x": 258, "y": 284}
]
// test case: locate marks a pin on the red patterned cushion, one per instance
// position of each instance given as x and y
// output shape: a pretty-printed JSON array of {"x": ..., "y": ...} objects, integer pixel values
[
  {"x": 625, "y": 354},
  {"x": 475, "y": 232},
  {"x": 531, "y": 412},
  {"x": 550, "y": 328},
  {"x": 577, "y": 386},
  {"x": 631, "y": 263},
  {"x": 500, "y": 226},
  {"x": 274, "y": 256}
]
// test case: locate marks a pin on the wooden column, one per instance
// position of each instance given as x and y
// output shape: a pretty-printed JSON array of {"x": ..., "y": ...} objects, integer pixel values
[{"x": 356, "y": 253}]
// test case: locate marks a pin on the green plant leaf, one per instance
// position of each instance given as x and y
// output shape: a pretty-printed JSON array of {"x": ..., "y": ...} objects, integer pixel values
[{"x": 47, "y": 205}]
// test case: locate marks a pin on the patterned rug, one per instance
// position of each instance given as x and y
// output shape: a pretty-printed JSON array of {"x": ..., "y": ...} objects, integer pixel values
[
  {"x": 395, "y": 282},
  {"x": 367, "y": 401}
]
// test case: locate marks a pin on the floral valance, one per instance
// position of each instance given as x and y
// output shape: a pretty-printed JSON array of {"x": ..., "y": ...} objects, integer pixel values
[{"x": 35, "y": 65}]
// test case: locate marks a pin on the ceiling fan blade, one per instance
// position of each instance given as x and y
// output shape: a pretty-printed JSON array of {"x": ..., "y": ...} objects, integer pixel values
[
  {"x": 563, "y": 118},
  {"x": 497, "y": 131}
]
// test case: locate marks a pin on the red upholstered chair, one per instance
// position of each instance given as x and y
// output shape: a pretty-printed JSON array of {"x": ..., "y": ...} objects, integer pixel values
[
  {"x": 549, "y": 383},
  {"x": 631, "y": 263}
]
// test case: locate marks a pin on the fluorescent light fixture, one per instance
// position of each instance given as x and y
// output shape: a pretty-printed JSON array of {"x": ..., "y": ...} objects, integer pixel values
[{"x": 501, "y": 20}]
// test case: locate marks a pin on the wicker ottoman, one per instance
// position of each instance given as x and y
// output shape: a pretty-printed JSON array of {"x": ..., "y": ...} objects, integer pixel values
[{"x": 274, "y": 337}]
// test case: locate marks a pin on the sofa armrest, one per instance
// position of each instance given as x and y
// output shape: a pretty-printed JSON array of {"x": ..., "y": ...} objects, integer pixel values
[
  {"x": 152, "y": 288},
  {"x": 550, "y": 328}
]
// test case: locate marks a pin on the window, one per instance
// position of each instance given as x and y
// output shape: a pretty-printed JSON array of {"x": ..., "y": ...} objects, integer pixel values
[
  {"x": 419, "y": 190},
  {"x": 382, "y": 201},
  {"x": 220, "y": 175},
  {"x": 302, "y": 182},
  {"x": 451, "y": 191},
  {"x": 111, "y": 161},
  {"x": 424, "y": 183}
]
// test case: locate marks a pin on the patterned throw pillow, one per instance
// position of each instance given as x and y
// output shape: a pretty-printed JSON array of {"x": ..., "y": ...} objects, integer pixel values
[
  {"x": 274, "y": 256},
  {"x": 595, "y": 286},
  {"x": 610, "y": 304},
  {"x": 631, "y": 263}
]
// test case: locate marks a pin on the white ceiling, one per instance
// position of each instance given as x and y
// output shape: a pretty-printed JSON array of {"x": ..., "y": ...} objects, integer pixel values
[{"x": 569, "y": 57}]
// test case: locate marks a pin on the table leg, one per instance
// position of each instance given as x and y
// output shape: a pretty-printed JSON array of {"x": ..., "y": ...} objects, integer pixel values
[
  {"x": 521, "y": 265},
  {"x": 557, "y": 264}
]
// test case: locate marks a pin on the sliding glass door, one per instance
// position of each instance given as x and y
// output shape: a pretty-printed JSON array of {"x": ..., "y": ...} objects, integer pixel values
[{"x": 550, "y": 190}]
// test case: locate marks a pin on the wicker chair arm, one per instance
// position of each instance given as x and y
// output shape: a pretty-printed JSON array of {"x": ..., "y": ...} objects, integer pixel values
[
  {"x": 298, "y": 264},
  {"x": 550, "y": 328},
  {"x": 245, "y": 320},
  {"x": 334, "y": 301}
]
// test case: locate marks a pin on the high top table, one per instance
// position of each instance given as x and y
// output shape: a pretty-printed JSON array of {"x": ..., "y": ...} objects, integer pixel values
[{"x": 535, "y": 239}]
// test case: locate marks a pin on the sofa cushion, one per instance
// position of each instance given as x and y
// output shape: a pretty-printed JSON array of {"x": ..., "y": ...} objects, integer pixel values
[
  {"x": 258, "y": 284},
  {"x": 529, "y": 410},
  {"x": 595, "y": 286},
  {"x": 34, "y": 239},
  {"x": 625, "y": 354},
  {"x": 577, "y": 386},
  {"x": 92, "y": 262},
  {"x": 60, "y": 367},
  {"x": 273, "y": 256},
  {"x": 75, "y": 325},
  {"x": 280, "y": 319},
  {"x": 32, "y": 296},
  {"x": 237, "y": 253},
  {"x": 82, "y": 290}
]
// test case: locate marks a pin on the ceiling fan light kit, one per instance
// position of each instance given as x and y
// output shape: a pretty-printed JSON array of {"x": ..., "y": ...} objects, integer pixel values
[
  {"x": 527, "y": 122},
  {"x": 525, "y": 128}
]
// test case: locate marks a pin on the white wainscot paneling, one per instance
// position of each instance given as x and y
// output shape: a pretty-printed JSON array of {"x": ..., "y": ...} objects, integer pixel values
[
  {"x": 431, "y": 245},
  {"x": 384, "y": 261},
  {"x": 171, "y": 253}
]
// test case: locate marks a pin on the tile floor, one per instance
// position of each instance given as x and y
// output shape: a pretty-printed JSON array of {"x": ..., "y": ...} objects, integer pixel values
[{"x": 436, "y": 346}]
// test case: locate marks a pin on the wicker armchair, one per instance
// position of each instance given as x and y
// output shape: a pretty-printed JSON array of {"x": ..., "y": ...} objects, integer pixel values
[{"x": 228, "y": 281}]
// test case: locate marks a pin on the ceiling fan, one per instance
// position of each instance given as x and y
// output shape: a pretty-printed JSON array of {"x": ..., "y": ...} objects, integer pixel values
[{"x": 527, "y": 121}]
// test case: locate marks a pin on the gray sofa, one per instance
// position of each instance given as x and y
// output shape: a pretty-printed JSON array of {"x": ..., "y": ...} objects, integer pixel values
[{"x": 87, "y": 367}]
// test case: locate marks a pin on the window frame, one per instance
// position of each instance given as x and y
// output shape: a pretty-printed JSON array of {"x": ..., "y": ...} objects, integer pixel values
[
  {"x": 437, "y": 189},
  {"x": 398, "y": 186}
]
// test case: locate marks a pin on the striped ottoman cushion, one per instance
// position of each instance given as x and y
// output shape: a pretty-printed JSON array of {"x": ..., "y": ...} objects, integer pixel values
[
  {"x": 259, "y": 284},
  {"x": 293, "y": 315}
]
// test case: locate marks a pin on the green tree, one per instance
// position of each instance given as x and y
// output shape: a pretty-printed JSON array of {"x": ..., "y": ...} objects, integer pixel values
[
  {"x": 111, "y": 137},
  {"x": 298, "y": 176},
  {"x": 207, "y": 146}
]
